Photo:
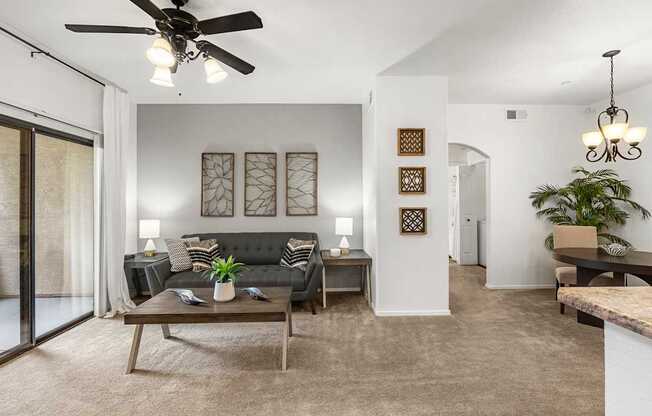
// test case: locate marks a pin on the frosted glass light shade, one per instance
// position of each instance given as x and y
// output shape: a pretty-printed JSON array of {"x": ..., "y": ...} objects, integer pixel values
[
  {"x": 343, "y": 226},
  {"x": 162, "y": 77},
  {"x": 635, "y": 135},
  {"x": 149, "y": 228},
  {"x": 615, "y": 131},
  {"x": 214, "y": 71},
  {"x": 592, "y": 139},
  {"x": 160, "y": 53}
]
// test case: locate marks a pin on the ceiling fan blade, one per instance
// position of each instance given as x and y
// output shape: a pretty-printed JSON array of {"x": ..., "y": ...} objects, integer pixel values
[
  {"x": 110, "y": 29},
  {"x": 225, "y": 57},
  {"x": 173, "y": 68},
  {"x": 150, "y": 8},
  {"x": 231, "y": 23}
]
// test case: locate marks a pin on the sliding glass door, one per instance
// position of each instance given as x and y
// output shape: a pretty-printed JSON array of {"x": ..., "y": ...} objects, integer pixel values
[
  {"x": 46, "y": 234},
  {"x": 14, "y": 239},
  {"x": 63, "y": 214}
]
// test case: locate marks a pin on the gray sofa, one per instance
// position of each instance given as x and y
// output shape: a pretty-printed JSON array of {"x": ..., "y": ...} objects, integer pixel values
[{"x": 261, "y": 252}]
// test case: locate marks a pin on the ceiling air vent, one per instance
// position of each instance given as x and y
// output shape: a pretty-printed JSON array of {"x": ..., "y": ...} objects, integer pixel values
[{"x": 515, "y": 115}]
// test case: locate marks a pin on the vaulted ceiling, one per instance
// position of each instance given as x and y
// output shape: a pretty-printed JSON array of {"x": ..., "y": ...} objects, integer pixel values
[{"x": 328, "y": 51}]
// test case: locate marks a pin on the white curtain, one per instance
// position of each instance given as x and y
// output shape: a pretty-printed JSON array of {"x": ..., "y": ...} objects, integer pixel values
[{"x": 112, "y": 292}]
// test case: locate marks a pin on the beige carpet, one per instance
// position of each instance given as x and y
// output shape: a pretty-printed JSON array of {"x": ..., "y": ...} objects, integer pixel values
[{"x": 501, "y": 353}]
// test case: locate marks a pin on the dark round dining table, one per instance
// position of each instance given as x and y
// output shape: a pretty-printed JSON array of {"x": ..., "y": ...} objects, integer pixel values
[{"x": 592, "y": 262}]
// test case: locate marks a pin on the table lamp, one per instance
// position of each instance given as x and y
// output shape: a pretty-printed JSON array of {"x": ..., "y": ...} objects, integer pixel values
[
  {"x": 344, "y": 227},
  {"x": 149, "y": 229}
]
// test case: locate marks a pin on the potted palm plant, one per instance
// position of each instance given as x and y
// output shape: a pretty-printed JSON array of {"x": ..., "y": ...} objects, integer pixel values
[
  {"x": 225, "y": 273},
  {"x": 599, "y": 198}
]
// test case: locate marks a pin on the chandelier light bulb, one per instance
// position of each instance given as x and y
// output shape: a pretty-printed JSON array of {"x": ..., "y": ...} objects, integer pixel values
[
  {"x": 615, "y": 131},
  {"x": 214, "y": 71},
  {"x": 160, "y": 53},
  {"x": 592, "y": 139},
  {"x": 635, "y": 135},
  {"x": 162, "y": 77}
]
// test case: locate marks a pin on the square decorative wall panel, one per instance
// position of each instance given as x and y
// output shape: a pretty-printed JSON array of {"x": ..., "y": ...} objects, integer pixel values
[
  {"x": 260, "y": 185},
  {"x": 217, "y": 183},
  {"x": 411, "y": 142},
  {"x": 412, "y": 180},
  {"x": 413, "y": 221},
  {"x": 301, "y": 183}
]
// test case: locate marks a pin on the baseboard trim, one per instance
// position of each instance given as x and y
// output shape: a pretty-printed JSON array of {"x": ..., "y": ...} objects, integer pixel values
[
  {"x": 428, "y": 312},
  {"x": 521, "y": 286}
]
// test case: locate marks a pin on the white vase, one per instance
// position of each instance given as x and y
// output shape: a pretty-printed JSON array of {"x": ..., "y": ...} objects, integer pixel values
[{"x": 224, "y": 292}]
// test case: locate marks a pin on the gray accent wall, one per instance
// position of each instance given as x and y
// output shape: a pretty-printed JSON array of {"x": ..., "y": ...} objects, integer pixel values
[{"x": 171, "y": 139}]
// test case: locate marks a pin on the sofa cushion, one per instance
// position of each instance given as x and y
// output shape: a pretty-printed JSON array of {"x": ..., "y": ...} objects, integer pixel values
[
  {"x": 203, "y": 253},
  {"x": 257, "y": 275},
  {"x": 297, "y": 253},
  {"x": 178, "y": 253}
]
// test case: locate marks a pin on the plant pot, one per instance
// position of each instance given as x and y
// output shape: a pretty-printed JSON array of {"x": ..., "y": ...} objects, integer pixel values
[{"x": 224, "y": 292}]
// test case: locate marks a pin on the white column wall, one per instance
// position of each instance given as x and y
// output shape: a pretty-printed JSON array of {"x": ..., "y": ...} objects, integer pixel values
[{"x": 411, "y": 271}]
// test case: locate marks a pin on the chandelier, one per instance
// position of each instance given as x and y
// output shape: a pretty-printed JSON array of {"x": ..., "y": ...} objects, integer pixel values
[{"x": 613, "y": 126}]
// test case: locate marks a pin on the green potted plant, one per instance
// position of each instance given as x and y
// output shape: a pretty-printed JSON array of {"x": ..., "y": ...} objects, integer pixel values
[
  {"x": 225, "y": 273},
  {"x": 598, "y": 198}
]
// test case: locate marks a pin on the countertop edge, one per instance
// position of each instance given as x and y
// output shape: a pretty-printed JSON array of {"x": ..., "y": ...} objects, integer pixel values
[{"x": 615, "y": 317}]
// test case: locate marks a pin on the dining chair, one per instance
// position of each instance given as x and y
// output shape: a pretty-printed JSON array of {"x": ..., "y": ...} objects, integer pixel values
[{"x": 577, "y": 236}]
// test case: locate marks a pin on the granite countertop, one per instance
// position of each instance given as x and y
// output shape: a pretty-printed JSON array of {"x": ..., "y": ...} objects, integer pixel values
[{"x": 629, "y": 307}]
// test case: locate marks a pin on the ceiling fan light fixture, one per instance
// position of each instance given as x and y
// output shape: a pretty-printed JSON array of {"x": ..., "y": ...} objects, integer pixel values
[
  {"x": 214, "y": 71},
  {"x": 160, "y": 53},
  {"x": 162, "y": 77}
]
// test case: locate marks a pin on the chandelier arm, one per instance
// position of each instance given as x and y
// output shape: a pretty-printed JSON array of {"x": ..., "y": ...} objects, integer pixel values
[
  {"x": 592, "y": 155},
  {"x": 634, "y": 153}
]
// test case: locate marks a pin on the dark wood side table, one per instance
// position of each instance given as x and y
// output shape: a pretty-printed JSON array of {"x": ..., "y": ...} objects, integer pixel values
[
  {"x": 135, "y": 271},
  {"x": 355, "y": 258}
]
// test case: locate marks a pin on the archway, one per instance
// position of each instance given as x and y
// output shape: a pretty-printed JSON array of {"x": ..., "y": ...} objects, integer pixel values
[{"x": 468, "y": 213}]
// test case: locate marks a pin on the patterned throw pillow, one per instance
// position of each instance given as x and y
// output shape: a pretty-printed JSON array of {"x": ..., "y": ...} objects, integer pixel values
[
  {"x": 297, "y": 253},
  {"x": 178, "y": 253},
  {"x": 202, "y": 254}
]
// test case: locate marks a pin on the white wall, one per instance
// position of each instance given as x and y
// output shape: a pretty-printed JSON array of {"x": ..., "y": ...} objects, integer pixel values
[
  {"x": 412, "y": 271},
  {"x": 370, "y": 189},
  {"x": 46, "y": 86},
  {"x": 131, "y": 191},
  {"x": 524, "y": 155},
  {"x": 171, "y": 139}
]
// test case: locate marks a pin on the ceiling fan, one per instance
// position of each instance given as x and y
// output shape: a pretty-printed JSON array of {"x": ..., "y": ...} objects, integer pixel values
[{"x": 176, "y": 28}]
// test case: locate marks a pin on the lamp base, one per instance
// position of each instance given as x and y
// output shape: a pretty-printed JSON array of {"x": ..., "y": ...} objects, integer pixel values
[
  {"x": 344, "y": 246},
  {"x": 150, "y": 249}
]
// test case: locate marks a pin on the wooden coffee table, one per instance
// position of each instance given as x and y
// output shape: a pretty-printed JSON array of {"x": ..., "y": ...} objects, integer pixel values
[{"x": 166, "y": 308}]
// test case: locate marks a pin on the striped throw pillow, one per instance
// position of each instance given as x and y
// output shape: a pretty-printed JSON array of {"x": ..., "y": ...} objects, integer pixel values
[
  {"x": 297, "y": 253},
  {"x": 202, "y": 254},
  {"x": 178, "y": 254}
]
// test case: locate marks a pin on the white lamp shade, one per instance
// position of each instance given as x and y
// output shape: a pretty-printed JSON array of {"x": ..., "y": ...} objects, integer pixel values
[
  {"x": 160, "y": 54},
  {"x": 592, "y": 139},
  {"x": 615, "y": 131},
  {"x": 635, "y": 135},
  {"x": 214, "y": 71},
  {"x": 162, "y": 77},
  {"x": 343, "y": 226},
  {"x": 149, "y": 228}
]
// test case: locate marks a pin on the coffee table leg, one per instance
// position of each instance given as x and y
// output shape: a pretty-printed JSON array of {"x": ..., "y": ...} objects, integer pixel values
[
  {"x": 166, "y": 330},
  {"x": 284, "y": 356},
  {"x": 135, "y": 344}
]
